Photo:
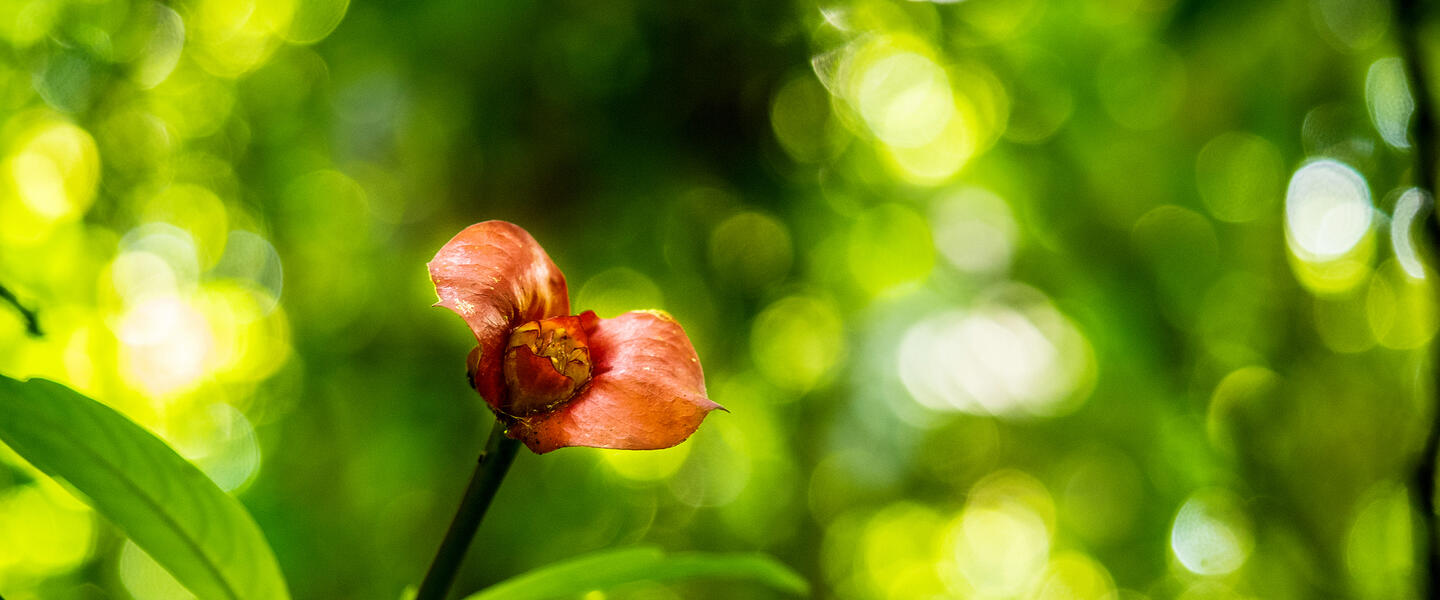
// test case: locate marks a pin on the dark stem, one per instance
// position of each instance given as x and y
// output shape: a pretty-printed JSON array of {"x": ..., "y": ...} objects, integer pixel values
[
  {"x": 32, "y": 322},
  {"x": 1409, "y": 14},
  {"x": 494, "y": 463}
]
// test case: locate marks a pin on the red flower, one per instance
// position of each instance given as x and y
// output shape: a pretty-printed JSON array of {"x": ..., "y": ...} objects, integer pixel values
[{"x": 556, "y": 379}]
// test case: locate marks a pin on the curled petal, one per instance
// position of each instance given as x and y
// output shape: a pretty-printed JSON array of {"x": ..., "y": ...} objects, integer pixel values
[
  {"x": 647, "y": 391},
  {"x": 496, "y": 277}
]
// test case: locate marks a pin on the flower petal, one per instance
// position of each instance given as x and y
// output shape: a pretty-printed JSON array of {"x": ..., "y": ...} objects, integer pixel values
[
  {"x": 647, "y": 391},
  {"x": 495, "y": 276}
]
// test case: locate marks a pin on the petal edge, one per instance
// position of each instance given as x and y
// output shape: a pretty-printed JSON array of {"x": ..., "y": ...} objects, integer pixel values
[
  {"x": 496, "y": 276},
  {"x": 647, "y": 391}
]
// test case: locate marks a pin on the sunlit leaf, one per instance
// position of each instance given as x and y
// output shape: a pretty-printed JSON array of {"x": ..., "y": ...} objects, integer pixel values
[
  {"x": 610, "y": 568},
  {"x": 170, "y": 509}
]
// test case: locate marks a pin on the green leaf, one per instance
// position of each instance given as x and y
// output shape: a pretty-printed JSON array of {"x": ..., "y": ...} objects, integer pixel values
[
  {"x": 168, "y": 507},
  {"x": 610, "y": 568}
]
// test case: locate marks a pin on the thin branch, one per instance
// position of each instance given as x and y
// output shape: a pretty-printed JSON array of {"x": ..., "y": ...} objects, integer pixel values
[
  {"x": 1410, "y": 15},
  {"x": 32, "y": 321}
]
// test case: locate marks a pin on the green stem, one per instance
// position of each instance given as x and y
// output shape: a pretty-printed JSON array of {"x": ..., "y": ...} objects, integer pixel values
[
  {"x": 1410, "y": 15},
  {"x": 32, "y": 322},
  {"x": 494, "y": 463}
]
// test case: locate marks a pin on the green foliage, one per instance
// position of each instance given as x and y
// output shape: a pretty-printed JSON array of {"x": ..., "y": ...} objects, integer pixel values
[
  {"x": 996, "y": 291},
  {"x": 612, "y": 568},
  {"x": 167, "y": 506}
]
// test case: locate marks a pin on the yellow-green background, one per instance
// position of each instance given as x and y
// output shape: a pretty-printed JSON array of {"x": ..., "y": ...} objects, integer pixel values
[{"x": 1006, "y": 298}]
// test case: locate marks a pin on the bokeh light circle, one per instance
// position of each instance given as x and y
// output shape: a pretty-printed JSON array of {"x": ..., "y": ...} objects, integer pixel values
[
  {"x": 1327, "y": 210},
  {"x": 1211, "y": 533},
  {"x": 1012, "y": 356}
]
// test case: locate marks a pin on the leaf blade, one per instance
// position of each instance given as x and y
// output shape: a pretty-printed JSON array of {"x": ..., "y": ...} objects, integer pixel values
[
  {"x": 610, "y": 568},
  {"x": 192, "y": 528}
]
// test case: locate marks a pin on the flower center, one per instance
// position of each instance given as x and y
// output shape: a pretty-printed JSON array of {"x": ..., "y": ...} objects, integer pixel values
[{"x": 546, "y": 363}]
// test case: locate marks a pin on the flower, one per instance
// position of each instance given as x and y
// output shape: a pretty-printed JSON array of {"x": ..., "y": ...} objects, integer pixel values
[{"x": 555, "y": 379}]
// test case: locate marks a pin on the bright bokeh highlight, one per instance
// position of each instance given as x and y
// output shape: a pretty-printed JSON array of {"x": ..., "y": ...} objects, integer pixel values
[
  {"x": 975, "y": 230},
  {"x": 1328, "y": 217},
  {"x": 1000, "y": 544},
  {"x": 1387, "y": 93},
  {"x": 1013, "y": 356},
  {"x": 1211, "y": 533}
]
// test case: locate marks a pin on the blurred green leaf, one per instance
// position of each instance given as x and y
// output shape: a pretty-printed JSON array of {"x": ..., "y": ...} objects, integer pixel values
[
  {"x": 204, "y": 537},
  {"x": 610, "y": 568}
]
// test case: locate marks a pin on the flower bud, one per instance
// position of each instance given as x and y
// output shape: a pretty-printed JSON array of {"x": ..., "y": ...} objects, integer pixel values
[{"x": 546, "y": 362}]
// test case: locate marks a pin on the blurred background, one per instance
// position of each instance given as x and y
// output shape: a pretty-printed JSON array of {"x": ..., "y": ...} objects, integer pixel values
[{"x": 1007, "y": 298}]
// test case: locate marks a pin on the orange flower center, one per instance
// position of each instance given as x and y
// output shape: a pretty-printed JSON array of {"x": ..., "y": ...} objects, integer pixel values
[{"x": 546, "y": 363}]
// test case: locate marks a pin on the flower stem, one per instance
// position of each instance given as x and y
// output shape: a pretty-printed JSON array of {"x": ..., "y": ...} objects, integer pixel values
[{"x": 494, "y": 463}]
